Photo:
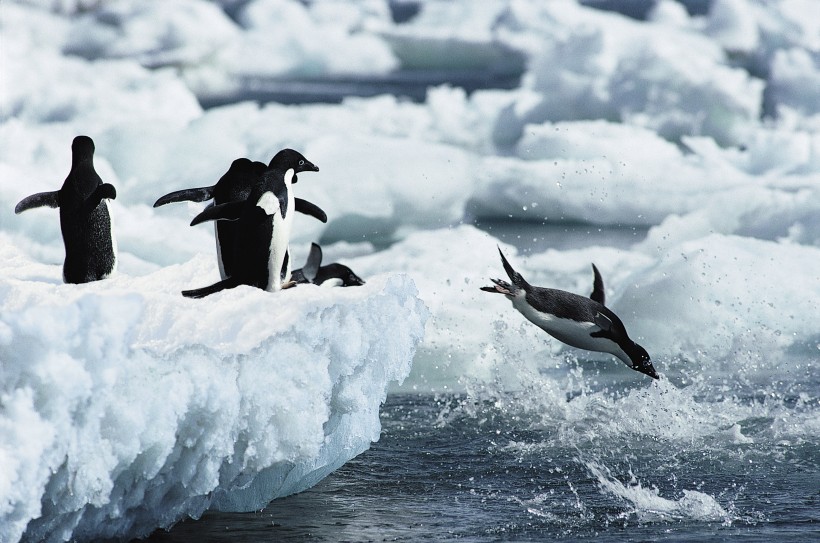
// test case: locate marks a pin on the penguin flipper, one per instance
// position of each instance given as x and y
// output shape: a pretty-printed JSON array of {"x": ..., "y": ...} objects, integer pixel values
[
  {"x": 598, "y": 294},
  {"x": 230, "y": 211},
  {"x": 314, "y": 260},
  {"x": 191, "y": 195},
  {"x": 603, "y": 322},
  {"x": 309, "y": 208},
  {"x": 230, "y": 282},
  {"x": 104, "y": 191},
  {"x": 50, "y": 199}
]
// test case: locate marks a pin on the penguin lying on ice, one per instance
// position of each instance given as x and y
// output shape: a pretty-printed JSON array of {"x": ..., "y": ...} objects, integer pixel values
[
  {"x": 235, "y": 186},
  {"x": 263, "y": 226},
  {"x": 333, "y": 275},
  {"x": 90, "y": 249},
  {"x": 579, "y": 322}
]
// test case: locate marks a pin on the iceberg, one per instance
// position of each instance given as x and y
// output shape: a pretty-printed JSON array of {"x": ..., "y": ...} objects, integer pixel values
[{"x": 125, "y": 407}]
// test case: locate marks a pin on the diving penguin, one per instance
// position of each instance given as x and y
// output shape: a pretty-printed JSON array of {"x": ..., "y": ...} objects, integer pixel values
[
  {"x": 263, "y": 225},
  {"x": 333, "y": 275},
  {"x": 235, "y": 185},
  {"x": 579, "y": 322},
  {"x": 90, "y": 249}
]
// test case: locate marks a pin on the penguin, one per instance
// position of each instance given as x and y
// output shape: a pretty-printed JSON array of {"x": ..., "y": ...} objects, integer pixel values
[
  {"x": 90, "y": 248},
  {"x": 235, "y": 185},
  {"x": 263, "y": 225},
  {"x": 597, "y": 287},
  {"x": 578, "y": 321},
  {"x": 331, "y": 275}
]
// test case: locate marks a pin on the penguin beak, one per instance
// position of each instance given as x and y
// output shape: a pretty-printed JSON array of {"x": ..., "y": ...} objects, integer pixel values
[
  {"x": 648, "y": 369},
  {"x": 644, "y": 365}
]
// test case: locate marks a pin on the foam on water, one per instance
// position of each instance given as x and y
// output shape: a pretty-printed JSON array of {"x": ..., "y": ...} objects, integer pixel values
[{"x": 649, "y": 506}]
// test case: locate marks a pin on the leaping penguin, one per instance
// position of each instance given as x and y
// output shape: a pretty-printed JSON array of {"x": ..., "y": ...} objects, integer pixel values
[
  {"x": 579, "y": 322},
  {"x": 263, "y": 226},
  {"x": 332, "y": 275},
  {"x": 90, "y": 250},
  {"x": 235, "y": 186}
]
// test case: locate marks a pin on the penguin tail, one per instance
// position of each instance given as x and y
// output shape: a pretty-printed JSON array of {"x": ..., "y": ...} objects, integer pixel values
[
  {"x": 514, "y": 276},
  {"x": 230, "y": 282}
]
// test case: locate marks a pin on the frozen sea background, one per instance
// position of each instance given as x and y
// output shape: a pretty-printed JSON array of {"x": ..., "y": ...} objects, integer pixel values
[{"x": 674, "y": 144}]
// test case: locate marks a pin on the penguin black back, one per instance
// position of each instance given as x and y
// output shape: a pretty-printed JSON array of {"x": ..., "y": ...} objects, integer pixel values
[
  {"x": 84, "y": 219},
  {"x": 235, "y": 186}
]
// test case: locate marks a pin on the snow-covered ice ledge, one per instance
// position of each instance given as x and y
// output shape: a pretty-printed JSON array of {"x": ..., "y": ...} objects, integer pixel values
[{"x": 125, "y": 407}]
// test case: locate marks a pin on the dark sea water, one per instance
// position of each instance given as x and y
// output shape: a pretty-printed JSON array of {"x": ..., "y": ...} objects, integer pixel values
[{"x": 452, "y": 468}]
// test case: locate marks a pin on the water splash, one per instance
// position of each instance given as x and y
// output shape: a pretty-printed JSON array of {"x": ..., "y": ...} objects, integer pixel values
[{"x": 649, "y": 506}]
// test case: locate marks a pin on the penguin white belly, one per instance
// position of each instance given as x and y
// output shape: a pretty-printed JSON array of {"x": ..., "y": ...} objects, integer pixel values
[
  {"x": 280, "y": 238},
  {"x": 219, "y": 261},
  {"x": 573, "y": 333}
]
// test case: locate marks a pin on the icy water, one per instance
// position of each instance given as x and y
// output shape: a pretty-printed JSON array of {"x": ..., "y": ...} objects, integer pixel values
[
  {"x": 495, "y": 470},
  {"x": 581, "y": 450}
]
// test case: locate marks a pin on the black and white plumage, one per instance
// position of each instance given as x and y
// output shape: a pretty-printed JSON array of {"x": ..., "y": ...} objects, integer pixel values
[
  {"x": 235, "y": 186},
  {"x": 332, "y": 275},
  {"x": 263, "y": 225},
  {"x": 90, "y": 247},
  {"x": 579, "y": 322}
]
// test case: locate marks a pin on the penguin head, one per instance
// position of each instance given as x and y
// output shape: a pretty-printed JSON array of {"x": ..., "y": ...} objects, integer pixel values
[
  {"x": 82, "y": 148},
  {"x": 243, "y": 166},
  {"x": 341, "y": 273},
  {"x": 350, "y": 279},
  {"x": 640, "y": 360},
  {"x": 242, "y": 171},
  {"x": 289, "y": 159}
]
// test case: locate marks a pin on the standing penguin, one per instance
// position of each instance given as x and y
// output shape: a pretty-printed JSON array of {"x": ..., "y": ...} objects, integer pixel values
[
  {"x": 263, "y": 226},
  {"x": 235, "y": 185},
  {"x": 90, "y": 250},
  {"x": 579, "y": 322},
  {"x": 331, "y": 275}
]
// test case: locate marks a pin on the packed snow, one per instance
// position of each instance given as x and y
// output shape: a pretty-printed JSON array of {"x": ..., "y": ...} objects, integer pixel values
[{"x": 125, "y": 407}]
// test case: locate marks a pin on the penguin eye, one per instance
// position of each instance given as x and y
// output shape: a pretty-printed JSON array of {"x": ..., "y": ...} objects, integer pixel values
[{"x": 301, "y": 162}]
